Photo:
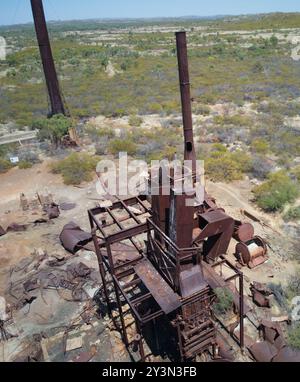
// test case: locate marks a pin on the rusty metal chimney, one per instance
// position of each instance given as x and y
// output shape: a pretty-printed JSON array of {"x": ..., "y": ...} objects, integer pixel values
[
  {"x": 57, "y": 106},
  {"x": 189, "y": 148}
]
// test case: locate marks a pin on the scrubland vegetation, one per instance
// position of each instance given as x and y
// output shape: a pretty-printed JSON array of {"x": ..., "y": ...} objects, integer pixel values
[
  {"x": 76, "y": 168},
  {"x": 245, "y": 87}
]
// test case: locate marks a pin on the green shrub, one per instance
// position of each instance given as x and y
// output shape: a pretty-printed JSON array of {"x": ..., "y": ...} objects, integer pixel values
[
  {"x": 5, "y": 165},
  {"x": 293, "y": 286},
  {"x": 135, "y": 121},
  {"x": 99, "y": 132},
  {"x": 23, "y": 165},
  {"x": 243, "y": 160},
  {"x": 224, "y": 301},
  {"x": 223, "y": 169},
  {"x": 236, "y": 120},
  {"x": 166, "y": 153},
  {"x": 117, "y": 146},
  {"x": 219, "y": 147},
  {"x": 292, "y": 214},
  {"x": 296, "y": 173},
  {"x": 201, "y": 109},
  {"x": 278, "y": 190},
  {"x": 155, "y": 108},
  {"x": 76, "y": 168},
  {"x": 294, "y": 337},
  {"x": 260, "y": 146}
]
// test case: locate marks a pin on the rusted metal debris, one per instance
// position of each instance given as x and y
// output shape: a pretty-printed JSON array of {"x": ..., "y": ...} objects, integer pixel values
[
  {"x": 263, "y": 351},
  {"x": 52, "y": 211},
  {"x": 272, "y": 333},
  {"x": 261, "y": 295},
  {"x": 273, "y": 348},
  {"x": 67, "y": 206},
  {"x": 73, "y": 238},
  {"x": 2, "y": 231},
  {"x": 72, "y": 277},
  {"x": 15, "y": 227}
]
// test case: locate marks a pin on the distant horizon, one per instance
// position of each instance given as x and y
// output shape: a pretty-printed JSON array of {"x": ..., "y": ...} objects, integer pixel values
[
  {"x": 184, "y": 17},
  {"x": 18, "y": 12}
]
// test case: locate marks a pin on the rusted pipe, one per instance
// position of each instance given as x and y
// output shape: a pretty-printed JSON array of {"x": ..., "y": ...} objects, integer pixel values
[
  {"x": 184, "y": 79},
  {"x": 57, "y": 106}
]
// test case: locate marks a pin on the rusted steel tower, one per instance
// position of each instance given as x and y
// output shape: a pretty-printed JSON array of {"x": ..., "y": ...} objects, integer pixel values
[{"x": 56, "y": 101}]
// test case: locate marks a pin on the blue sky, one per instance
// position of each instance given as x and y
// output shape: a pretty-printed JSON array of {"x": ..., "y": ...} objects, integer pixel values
[{"x": 18, "y": 11}]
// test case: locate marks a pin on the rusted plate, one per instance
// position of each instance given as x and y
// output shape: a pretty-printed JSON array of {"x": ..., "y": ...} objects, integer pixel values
[
  {"x": 263, "y": 351},
  {"x": 191, "y": 281},
  {"x": 73, "y": 237},
  {"x": 287, "y": 354},
  {"x": 166, "y": 298}
]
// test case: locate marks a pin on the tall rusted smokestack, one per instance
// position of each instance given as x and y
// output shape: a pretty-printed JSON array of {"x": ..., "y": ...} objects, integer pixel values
[
  {"x": 57, "y": 106},
  {"x": 189, "y": 148}
]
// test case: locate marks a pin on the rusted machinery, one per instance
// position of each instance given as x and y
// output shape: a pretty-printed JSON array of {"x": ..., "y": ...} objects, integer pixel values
[
  {"x": 252, "y": 252},
  {"x": 163, "y": 257}
]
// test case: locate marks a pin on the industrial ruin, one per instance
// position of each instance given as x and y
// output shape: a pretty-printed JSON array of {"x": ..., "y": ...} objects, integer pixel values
[{"x": 175, "y": 273}]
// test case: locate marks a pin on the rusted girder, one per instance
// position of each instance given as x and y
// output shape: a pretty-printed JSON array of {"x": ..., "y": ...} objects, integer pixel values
[{"x": 57, "y": 106}]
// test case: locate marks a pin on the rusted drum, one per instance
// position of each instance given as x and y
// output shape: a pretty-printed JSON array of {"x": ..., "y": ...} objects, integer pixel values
[
  {"x": 252, "y": 252},
  {"x": 244, "y": 232}
]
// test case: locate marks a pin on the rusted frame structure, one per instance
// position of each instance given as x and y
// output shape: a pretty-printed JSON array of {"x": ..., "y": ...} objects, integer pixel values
[
  {"x": 195, "y": 329},
  {"x": 240, "y": 276},
  {"x": 120, "y": 273}
]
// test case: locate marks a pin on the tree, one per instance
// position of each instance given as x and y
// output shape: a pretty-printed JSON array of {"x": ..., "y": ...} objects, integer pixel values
[{"x": 54, "y": 128}]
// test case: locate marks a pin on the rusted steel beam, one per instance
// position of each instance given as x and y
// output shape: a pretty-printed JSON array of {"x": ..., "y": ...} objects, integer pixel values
[
  {"x": 57, "y": 106},
  {"x": 189, "y": 149},
  {"x": 102, "y": 270},
  {"x": 141, "y": 298},
  {"x": 124, "y": 331}
]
